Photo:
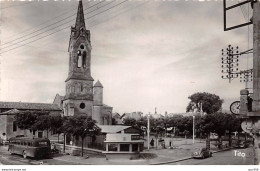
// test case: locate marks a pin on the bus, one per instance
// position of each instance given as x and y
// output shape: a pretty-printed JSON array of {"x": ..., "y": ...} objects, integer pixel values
[{"x": 30, "y": 147}]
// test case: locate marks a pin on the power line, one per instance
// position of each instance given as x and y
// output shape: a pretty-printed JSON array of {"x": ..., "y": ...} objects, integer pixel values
[
  {"x": 134, "y": 6},
  {"x": 119, "y": 14},
  {"x": 47, "y": 48},
  {"x": 49, "y": 26},
  {"x": 43, "y": 23},
  {"x": 61, "y": 29},
  {"x": 93, "y": 21},
  {"x": 16, "y": 5}
]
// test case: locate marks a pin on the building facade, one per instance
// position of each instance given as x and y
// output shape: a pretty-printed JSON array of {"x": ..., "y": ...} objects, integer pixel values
[
  {"x": 81, "y": 96},
  {"x": 8, "y": 125}
]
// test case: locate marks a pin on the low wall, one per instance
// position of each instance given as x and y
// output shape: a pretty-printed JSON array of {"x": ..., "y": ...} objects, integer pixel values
[{"x": 76, "y": 151}]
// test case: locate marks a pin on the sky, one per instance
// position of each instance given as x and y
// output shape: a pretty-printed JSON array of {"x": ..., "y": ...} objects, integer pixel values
[{"x": 146, "y": 54}]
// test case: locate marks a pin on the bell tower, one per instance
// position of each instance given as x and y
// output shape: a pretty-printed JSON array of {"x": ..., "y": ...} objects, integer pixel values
[{"x": 79, "y": 84}]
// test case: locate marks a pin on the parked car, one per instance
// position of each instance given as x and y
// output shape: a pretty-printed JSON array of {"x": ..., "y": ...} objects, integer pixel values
[
  {"x": 243, "y": 144},
  {"x": 201, "y": 153}
]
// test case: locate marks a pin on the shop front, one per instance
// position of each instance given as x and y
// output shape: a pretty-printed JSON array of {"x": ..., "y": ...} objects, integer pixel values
[{"x": 123, "y": 146}]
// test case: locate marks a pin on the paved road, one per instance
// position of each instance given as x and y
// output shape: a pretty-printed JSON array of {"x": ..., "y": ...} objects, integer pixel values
[
  {"x": 222, "y": 158},
  {"x": 7, "y": 159}
]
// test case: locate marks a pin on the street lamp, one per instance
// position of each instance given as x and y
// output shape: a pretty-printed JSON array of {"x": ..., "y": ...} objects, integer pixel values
[{"x": 193, "y": 128}]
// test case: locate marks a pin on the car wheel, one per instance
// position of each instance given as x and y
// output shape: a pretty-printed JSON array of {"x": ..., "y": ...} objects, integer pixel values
[{"x": 24, "y": 154}]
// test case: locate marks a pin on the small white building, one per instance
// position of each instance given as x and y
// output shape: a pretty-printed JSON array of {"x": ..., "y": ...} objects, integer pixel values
[{"x": 122, "y": 141}]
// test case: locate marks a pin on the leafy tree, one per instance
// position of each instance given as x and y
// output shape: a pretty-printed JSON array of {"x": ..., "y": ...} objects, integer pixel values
[
  {"x": 201, "y": 126},
  {"x": 211, "y": 103},
  {"x": 174, "y": 121},
  {"x": 26, "y": 119},
  {"x": 42, "y": 123},
  {"x": 56, "y": 124},
  {"x": 142, "y": 122},
  {"x": 129, "y": 121},
  {"x": 231, "y": 126},
  {"x": 220, "y": 125},
  {"x": 82, "y": 126},
  {"x": 186, "y": 124}
]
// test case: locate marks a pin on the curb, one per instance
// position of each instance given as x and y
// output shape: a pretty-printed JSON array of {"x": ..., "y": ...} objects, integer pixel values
[
  {"x": 187, "y": 158},
  {"x": 173, "y": 161}
]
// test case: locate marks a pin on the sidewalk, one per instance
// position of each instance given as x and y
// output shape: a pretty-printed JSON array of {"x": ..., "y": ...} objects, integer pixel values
[{"x": 182, "y": 151}]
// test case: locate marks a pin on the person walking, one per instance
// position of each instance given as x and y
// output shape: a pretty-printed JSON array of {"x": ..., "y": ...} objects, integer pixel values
[{"x": 152, "y": 142}]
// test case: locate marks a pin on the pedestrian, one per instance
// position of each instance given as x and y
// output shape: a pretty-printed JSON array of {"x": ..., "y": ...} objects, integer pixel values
[
  {"x": 152, "y": 142},
  {"x": 163, "y": 144}
]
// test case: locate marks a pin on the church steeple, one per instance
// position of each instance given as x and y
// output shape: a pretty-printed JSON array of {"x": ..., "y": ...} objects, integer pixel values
[
  {"x": 80, "y": 28},
  {"x": 79, "y": 82},
  {"x": 80, "y": 21}
]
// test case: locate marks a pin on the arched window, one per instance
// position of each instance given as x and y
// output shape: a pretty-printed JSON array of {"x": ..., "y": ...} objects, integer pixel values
[
  {"x": 84, "y": 59},
  {"x": 79, "y": 60}
]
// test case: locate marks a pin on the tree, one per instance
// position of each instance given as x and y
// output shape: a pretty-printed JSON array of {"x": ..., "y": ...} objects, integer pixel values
[
  {"x": 27, "y": 119},
  {"x": 142, "y": 122},
  {"x": 56, "y": 124},
  {"x": 82, "y": 126},
  {"x": 129, "y": 121},
  {"x": 42, "y": 123},
  {"x": 211, "y": 103},
  {"x": 220, "y": 125},
  {"x": 186, "y": 124},
  {"x": 201, "y": 126},
  {"x": 174, "y": 121}
]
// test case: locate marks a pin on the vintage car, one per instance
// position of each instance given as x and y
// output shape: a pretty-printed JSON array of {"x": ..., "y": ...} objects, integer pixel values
[{"x": 201, "y": 153}]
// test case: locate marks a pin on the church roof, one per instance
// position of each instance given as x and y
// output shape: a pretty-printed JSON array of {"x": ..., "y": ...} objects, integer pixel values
[
  {"x": 29, "y": 106},
  {"x": 134, "y": 115},
  {"x": 98, "y": 84},
  {"x": 116, "y": 115},
  {"x": 79, "y": 77},
  {"x": 104, "y": 105}
]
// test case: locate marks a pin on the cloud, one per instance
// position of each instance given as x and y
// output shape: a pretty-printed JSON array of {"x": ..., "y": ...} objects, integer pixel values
[{"x": 155, "y": 55}]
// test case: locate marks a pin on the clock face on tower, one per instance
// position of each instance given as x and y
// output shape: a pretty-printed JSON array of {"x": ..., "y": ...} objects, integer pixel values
[{"x": 234, "y": 107}]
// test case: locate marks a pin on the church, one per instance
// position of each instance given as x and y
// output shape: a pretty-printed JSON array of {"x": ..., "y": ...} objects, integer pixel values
[{"x": 82, "y": 95}]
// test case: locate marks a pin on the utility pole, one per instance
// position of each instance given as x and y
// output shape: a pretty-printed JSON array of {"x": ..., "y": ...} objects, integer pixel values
[
  {"x": 250, "y": 116},
  {"x": 201, "y": 111},
  {"x": 148, "y": 132},
  {"x": 256, "y": 57},
  {"x": 256, "y": 77},
  {"x": 193, "y": 129}
]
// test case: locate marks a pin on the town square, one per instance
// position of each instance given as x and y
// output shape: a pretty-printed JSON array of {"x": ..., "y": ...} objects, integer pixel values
[{"x": 130, "y": 82}]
